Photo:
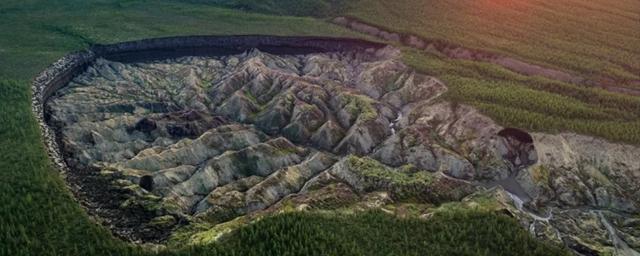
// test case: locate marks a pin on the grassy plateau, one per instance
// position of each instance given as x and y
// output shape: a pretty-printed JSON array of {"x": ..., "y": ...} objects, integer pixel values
[
  {"x": 38, "y": 215},
  {"x": 592, "y": 38}
]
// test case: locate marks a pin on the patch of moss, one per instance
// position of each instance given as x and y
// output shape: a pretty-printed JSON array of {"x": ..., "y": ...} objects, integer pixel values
[
  {"x": 287, "y": 206},
  {"x": 171, "y": 206},
  {"x": 540, "y": 174},
  {"x": 214, "y": 233},
  {"x": 481, "y": 201},
  {"x": 163, "y": 221},
  {"x": 182, "y": 235},
  {"x": 308, "y": 107},
  {"x": 408, "y": 210},
  {"x": 408, "y": 168},
  {"x": 360, "y": 106},
  {"x": 286, "y": 150},
  {"x": 251, "y": 98},
  {"x": 145, "y": 203},
  {"x": 405, "y": 175}
]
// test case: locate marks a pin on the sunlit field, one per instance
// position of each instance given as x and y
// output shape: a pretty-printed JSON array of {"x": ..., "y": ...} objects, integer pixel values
[{"x": 592, "y": 38}]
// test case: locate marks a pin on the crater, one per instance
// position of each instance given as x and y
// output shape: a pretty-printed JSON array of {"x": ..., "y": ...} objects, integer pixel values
[{"x": 182, "y": 130}]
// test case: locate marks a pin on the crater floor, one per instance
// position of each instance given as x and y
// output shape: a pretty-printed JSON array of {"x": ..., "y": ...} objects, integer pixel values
[{"x": 157, "y": 146}]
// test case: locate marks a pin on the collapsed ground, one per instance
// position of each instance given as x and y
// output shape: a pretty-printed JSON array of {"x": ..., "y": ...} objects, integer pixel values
[
  {"x": 40, "y": 217},
  {"x": 160, "y": 148}
]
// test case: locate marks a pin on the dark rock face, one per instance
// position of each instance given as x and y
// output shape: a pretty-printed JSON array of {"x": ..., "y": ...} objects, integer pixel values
[
  {"x": 213, "y": 138},
  {"x": 146, "y": 125},
  {"x": 146, "y": 182},
  {"x": 520, "y": 149},
  {"x": 520, "y": 135}
]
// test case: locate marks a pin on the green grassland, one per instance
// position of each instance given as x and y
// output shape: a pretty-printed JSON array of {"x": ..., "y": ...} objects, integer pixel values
[
  {"x": 37, "y": 32},
  {"x": 39, "y": 216}
]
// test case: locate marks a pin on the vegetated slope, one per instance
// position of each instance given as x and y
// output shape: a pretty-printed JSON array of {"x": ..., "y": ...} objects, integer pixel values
[
  {"x": 39, "y": 216},
  {"x": 591, "y": 38}
]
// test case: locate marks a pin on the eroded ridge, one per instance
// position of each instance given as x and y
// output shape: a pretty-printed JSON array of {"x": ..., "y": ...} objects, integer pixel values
[{"x": 157, "y": 145}]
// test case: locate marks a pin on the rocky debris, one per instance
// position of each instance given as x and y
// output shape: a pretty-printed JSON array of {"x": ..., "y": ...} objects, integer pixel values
[
  {"x": 575, "y": 170},
  {"x": 260, "y": 159},
  {"x": 588, "y": 189},
  {"x": 241, "y": 198},
  {"x": 214, "y": 138},
  {"x": 455, "y": 139},
  {"x": 587, "y": 180},
  {"x": 193, "y": 152}
]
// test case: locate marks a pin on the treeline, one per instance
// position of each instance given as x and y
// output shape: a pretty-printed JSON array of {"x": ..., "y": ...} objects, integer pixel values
[{"x": 458, "y": 232}]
